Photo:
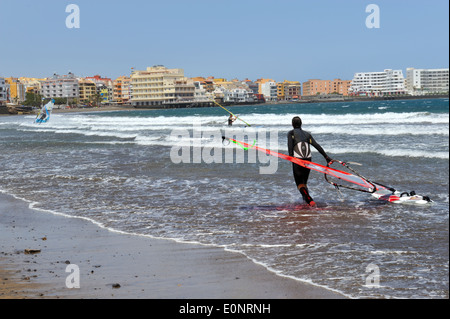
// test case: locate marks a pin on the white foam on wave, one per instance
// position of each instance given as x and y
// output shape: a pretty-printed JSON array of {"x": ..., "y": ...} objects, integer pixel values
[
  {"x": 157, "y": 131},
  {"x": 396, "y": 152},
  {"x": 82, "y": 132},
  {"x": 282, "y": 274},
  {"x": 262, "y": 119}
]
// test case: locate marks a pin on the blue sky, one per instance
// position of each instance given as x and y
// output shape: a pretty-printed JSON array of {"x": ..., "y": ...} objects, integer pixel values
[{"x": 283, "y": 39}]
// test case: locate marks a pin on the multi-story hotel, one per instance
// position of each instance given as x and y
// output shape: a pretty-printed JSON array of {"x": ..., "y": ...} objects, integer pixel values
[
  {"x": 65, "y": 86},
  {"x": 160, "y": 86},
  {"x": 388, "y": 82},
  {"x": 314, "y": 87},
  {"x": 288, "y": 90},
  {"x": 423, "y": 81}
]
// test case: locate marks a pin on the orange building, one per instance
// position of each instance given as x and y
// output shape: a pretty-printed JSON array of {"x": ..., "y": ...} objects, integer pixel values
[
  {"x": 341, "y": 86},
  {"x": 314, "y": 87},
  {"x": 122, "y": 90}
]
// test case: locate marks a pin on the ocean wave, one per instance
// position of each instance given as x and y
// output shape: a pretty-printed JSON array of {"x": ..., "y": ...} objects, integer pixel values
[
  {"x": 256, "y": 119},
  {"x": 391, "y": 152}
]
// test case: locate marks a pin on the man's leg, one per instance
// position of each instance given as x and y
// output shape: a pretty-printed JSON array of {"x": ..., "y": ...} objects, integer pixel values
[
  {"x": 301, "y": 175},
  {"x": 305, "y": 194}
]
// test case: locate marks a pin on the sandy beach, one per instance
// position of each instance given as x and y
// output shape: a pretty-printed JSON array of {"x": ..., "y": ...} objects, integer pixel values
[{"x": 36, "y": 249}]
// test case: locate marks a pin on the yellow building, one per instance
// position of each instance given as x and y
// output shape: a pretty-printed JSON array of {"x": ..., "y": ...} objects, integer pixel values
[
  {"x": 88, "y": 90},
  {"x": 17, "y": 90},
  {"x": 288, "y": 90},
  {"x": 220, "y": 80},
  {"x": 160, "y": 86}
]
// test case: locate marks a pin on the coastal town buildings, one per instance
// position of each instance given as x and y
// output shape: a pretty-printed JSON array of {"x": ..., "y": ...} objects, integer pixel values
[
  {"x": 201, "y": 92},
  {"x": 387, "y": 82},
  {"x": 16, "y": 91},
  {"x": 180, "y": 90},
  {"x": 87, "y": 90},
  {"x": 222, "y": 90},
  {"x": 315, "y": 87},
  {"x": 32, "y": 85},
  {"x": 61, "y": 86},
  {"x": 2, "y": 90},
  {"x": 252, "y": 86},
  {"x": 238, "y": 96},
  {"x": 426, "y": 81},
  {"x": 341, "y": 87},
  {"x": 163, "y": 87},
  {"x": 105, "y": 95},
  {"x": 269, "y": 90},
  {"x": 104, "y": 87},
  {"x": 97, "y": 79},
  {"x": 206, "y": 83},
  {"x": 288, "y": 90},
  {"x": 122, "y": 90},
  {"x": 159, "y": 86}
]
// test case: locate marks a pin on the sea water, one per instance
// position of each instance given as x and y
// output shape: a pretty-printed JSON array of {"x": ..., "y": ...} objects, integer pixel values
[{"x": 117, "y": 170}]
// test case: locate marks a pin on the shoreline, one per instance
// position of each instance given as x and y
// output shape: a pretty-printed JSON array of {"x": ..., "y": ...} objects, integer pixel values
[
  {"x": 114, "y": 265},
  {"x": 111, "y": 108}
]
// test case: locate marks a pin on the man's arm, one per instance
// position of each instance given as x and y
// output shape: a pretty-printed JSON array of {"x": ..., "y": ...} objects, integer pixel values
[
  {"x": 290, "y": 137},
  {"x": 320, "y": 149}
]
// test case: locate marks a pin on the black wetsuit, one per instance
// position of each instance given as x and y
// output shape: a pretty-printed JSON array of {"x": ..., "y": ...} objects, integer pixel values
[{"x": 299, "y": 144}]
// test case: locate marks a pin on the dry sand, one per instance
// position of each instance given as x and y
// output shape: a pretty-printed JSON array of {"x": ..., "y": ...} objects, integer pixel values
[{"x": 143, "y": 267}]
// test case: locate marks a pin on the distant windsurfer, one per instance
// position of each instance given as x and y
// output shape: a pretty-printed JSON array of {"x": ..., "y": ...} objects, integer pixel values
[
  {"x": 231, "y": 120},
  {"x": 44, "y": 114},
  {"x": 299, "y": 142}
]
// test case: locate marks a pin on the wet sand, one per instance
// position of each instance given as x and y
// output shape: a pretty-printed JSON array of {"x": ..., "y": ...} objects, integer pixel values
[{"x": 122, "y": 266}]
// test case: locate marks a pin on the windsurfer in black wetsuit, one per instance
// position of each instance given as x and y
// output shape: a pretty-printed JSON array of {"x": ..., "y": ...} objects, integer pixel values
[
  {"x": 299, "y": 144},
  {"x": 231, "y": 120}
]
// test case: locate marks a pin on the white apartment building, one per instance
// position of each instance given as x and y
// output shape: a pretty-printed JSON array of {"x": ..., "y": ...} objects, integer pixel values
[
  {"x": 388, "y": 82},
  {"x": 201, "y": 95},
  {"x": 2, "y": 90},
  {"x": 65, "y": 86},
  {"x": 269, "y": 90},
  {"x": 238, "y": 96},
  {"x": 425, "y": 81}
]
